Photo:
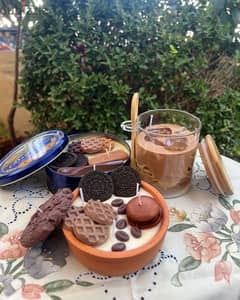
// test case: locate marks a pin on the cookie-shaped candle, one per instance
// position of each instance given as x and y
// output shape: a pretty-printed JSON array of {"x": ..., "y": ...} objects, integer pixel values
[
  {"x": 143, "y": 212},
  {"x": 125, "y": 180},
  {"x": 96, "y": 185},
  {"x": 47, "y": 218},
  {"x": 101, "y": 213}
]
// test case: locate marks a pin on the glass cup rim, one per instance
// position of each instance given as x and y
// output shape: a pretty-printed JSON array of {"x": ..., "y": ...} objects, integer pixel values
[{"x": 191, "y": 132}]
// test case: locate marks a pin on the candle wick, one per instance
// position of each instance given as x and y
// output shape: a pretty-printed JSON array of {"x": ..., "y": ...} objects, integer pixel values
[{"x": 81, "y": 195}]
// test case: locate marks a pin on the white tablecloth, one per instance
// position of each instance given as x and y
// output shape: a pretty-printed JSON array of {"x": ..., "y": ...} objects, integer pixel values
[{"x": 199, "y": 259}]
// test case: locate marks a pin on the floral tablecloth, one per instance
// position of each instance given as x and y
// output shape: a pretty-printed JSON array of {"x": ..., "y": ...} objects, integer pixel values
[{"x": 199, "y": 259}]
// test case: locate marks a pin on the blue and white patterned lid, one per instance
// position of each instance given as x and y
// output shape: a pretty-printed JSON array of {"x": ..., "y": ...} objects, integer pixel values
[{"x": 32, "y": 155}]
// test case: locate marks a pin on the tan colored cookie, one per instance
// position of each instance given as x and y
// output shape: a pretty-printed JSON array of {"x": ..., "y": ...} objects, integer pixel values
[
  {"x": 107, "y": 144},
  {"x": 109, "y": 156},
  {"x": 72, "y": 214},
  {"x": 101, "y": 213},
  {"x": 89, "y": 232},
  {"x": 91, "y": 145}
]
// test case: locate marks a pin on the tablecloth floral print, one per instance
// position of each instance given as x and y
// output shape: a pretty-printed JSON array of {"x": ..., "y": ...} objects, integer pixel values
[{"x": 204, "y": 230}]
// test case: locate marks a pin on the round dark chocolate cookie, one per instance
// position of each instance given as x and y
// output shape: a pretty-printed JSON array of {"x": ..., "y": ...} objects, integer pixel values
[
  {"x": 82, "y": 160},
  {"x": 125, "y": 181},
  {"x": 96, "y": 185},
  {"x": 65, "y": 159},
  {"x": 47, "y": 218}
]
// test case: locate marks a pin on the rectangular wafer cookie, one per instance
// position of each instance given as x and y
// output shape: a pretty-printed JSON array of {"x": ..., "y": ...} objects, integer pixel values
[{"x": 104, "y": 157}]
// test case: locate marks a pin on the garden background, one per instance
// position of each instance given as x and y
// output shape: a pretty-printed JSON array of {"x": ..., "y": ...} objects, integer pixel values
[{"x": 83, "y": 60}]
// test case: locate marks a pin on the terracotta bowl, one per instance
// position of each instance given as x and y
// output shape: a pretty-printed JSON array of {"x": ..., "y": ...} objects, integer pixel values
[{"x": 121, "y": 263}]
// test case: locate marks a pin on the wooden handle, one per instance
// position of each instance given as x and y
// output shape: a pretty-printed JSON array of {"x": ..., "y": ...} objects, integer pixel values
[{"x": 134, "y": 114}]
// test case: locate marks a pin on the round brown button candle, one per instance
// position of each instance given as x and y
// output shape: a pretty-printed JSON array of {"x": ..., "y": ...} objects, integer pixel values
[{"x": 143, "y": 211}]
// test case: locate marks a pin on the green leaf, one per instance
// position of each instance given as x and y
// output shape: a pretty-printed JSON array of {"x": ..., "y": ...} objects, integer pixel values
[
  {"x": 188, "y": 264},
  {"x": 236, "y": 15},
  {"x": 223, "y": 201},
  {"x": 236, "y": 261},
  {"x": 218, "y": 5},
  {"x": 84, "y": 283},
  {"x": 54, "y": 297},
  {"x": 175, "y": 280},
  {"x": 180, "y": 227},
  {"x": 16, "y": 267},
  {"x": 173, "y": 49},
  {"x": 1, "y": 288},
  {"x": 235, "y": 201},
  {"x": 57, "y": 285},
  {"x": 3, "y": 229}
]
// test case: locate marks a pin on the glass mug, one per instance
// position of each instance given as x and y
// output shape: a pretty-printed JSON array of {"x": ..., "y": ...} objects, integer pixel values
[{"x": 165, "y": 146}]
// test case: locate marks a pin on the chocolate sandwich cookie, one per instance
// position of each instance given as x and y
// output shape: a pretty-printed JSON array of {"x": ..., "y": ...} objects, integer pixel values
[
  {"x": 47, "y": 218},
  {"x": 96, "y": 185},
  {"x": 65, "y": 159},
  {"x": 89, "y": 232},
  {"x": 125, "y": 181},
  {"x": 101, "y": 213},
  {"x": 82, "y": 160},
  {"x": 143, "y": 212}
]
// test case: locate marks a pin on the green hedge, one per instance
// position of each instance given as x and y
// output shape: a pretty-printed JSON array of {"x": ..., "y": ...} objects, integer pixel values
[{"x": 84, "y": 59}]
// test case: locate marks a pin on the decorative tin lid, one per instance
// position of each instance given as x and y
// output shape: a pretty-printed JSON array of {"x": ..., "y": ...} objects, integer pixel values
[
  {"x": 214, "y": 166},
  {"x": 32, "y": 155}
]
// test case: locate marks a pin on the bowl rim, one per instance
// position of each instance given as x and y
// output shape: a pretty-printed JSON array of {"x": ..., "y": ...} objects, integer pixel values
[{"x": 132, "y": 252}]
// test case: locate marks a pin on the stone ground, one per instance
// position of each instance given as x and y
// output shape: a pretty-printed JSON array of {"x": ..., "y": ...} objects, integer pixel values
[{"x": 22, "y": 117}]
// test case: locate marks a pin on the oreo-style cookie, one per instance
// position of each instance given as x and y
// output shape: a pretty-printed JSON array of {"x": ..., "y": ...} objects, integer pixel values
[
  {"x": 96, "y": 185},
  {"x": 47, "y": 218},
  {"x": 82, "y": 160},
  {"x": 125, "y": 181},
  {"x": 65, "y": 159}
]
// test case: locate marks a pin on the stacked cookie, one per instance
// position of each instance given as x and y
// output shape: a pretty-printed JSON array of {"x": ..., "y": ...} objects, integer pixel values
[
  {"x": 90, "y": 224},
  {"x": 48, "y": 216}
]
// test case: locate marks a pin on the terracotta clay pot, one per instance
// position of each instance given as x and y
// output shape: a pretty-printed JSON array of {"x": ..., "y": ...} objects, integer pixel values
[{"x": 121, "y": 263}]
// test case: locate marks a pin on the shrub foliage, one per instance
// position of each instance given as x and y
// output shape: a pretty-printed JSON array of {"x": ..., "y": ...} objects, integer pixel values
[{"x": 84, "y": 59}]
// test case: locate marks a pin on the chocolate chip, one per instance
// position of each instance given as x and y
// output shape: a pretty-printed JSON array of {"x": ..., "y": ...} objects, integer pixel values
[
  {"x": 121, "y": 224},
  {"x": 122, "y": 236},
  {"x": 117, "y": 202},
  {"x": 136, "y": 232},
  {"x": 122, "y": 209},
  {"x": 118, "y": 247}
]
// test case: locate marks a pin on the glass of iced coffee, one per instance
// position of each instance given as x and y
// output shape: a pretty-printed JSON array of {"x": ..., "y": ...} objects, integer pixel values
[{"x": 165, "y": 147}]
